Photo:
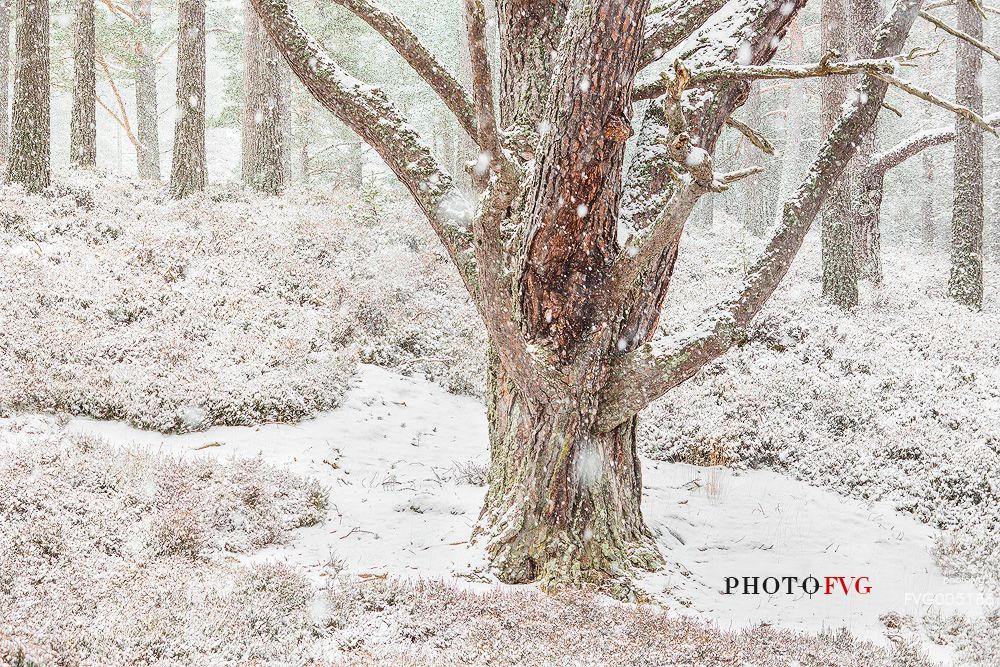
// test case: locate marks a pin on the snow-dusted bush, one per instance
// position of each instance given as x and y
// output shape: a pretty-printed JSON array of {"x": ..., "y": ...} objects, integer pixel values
[
  {"x": 118, "y": 557},
  {"x": 226, "y": 308},
  {"x": 897, "y": 401},
  {"x": 432, "y": 623}
]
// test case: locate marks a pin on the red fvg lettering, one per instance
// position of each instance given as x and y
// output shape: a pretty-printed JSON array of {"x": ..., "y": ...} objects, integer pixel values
[{"x": 847, "y": 584}]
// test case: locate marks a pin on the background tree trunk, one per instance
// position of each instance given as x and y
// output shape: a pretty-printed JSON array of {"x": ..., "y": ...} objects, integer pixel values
[
  {"x": 263, "y": 108},
  {"x": 29, "y": 150},
  {"x": 928, "y": 230},
  {"x": 792, "y": 154},
  {"x": 4, "y": 80},
  {"x": 83, "y": 123},
  {"x": 754, "y": 209},
  {"x": 188, "y": 167},
  {"x": 966, "y": 282},
  {"x": 146, "y": 105},
  {"x": 866, "y": 186},
  {"x": 287, "y": 132},
  {"x": 840, "y": 274}
]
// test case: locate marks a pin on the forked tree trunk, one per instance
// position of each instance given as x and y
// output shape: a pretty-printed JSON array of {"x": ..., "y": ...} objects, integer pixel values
[
  {"x": 567, "y": 307},
  {"x": 263, "y": 108},
  {"x": 966, "y": 282},
  {"x": 188, "y": 167},
  {"x": 83, "y": 123},
  {"x": 4, "y": 80},
  {"x": 146, "y": 104},
  {"x": 29, "y": 162}
]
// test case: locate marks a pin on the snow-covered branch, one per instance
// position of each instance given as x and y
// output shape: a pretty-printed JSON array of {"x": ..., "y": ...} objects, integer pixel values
[
  {"x": 643, "y": 376},
  {"x": 917, "y": 143},
  {"x": 825, "y": 67},
  {"x": 936, "y": 100},
  {"x": 671, "y": 23},
  {"x": 369, "y": 113},
  {"x": 482, "y": 81},
  {"x": 407, "y": 45}
]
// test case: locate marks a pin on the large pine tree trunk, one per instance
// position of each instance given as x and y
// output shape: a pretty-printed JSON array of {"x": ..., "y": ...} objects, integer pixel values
[
  {"x": 263, "y": 108},
  {"x": 146, "y": 105},
  {"x": 83, "y": 123},
  {"x": 966, "y": 282},
  {"x": 4, "y": 80},
  {"x": 564, "y": 502},
  {"x": 188, "y": 167},
  {"x": 840, "y": 273},
  {"x": 29, "y": 162}
]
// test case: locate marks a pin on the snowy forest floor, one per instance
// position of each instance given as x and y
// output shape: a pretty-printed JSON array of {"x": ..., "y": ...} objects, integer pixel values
[{"x": 852, "y": 445}]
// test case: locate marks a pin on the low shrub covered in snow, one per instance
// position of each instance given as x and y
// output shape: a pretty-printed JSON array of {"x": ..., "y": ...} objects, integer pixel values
[
  {"x": 226, "y": 308},
  {"x": 897, "y": 401}
]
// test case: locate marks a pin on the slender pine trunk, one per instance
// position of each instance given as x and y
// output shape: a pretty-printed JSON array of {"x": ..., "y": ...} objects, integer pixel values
[
  {"x": 754, "y": 209},
  {"x": 4, "y": 80},
  {"x": 188, "y": 166},
  {"x": 840, "y": 274},
  {"x": 928, "y": 231},
  {"x": 287, "y": 132},
  {"x": 83, "y": 123},
  {"x": 146, "y": 104},
  {"x": 263, "y": 168},
  {"x": 966, "y": 282},
  {"x": 867, "y": 187},
  {"x": 792, "y": 154},
  {"x": 29, "y": 162}
]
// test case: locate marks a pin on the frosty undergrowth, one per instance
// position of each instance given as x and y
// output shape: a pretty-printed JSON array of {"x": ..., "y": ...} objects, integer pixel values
[
  {"x": 898, "y": 401},
  {"x": 228, "y": 308},
  {"x": 99, "y": 565}
]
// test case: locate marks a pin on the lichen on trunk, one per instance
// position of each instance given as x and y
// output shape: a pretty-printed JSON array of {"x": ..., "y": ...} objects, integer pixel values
[{"x": 563, "y": 505}]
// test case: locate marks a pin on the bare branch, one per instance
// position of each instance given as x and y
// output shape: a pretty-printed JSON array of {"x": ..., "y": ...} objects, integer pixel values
[
  {"x": 121, "y": 119},
  {"x": 954, "y": 32},
  {"x": 917, "y": 143},
  {"x": 407, "y": 45},
  {"x": 755, "y": 137}
]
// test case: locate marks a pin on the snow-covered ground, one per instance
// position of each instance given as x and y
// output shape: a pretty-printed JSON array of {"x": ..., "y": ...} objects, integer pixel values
[{"x": 401, "y": 459}]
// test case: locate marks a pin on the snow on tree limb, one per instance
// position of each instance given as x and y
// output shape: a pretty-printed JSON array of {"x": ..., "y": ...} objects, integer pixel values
[
  {"x": 401, "y": 38},
  {"x": 928, "y": 96},
  {"x": 915, "y": 144},
  {"x": 670, "y": 24},
  {"x": 825, "y": 67},
  {"x": 643, "y": 376},
  {"x": 369, "y": 113},
  {"x": 482, "y": 80}
]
